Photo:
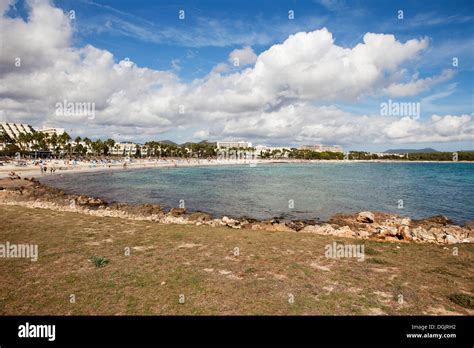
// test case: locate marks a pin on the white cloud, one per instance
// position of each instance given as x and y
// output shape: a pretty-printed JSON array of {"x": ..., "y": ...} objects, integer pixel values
[
  {"x": 333, "y": 5},
  {"x": 308, "y": 68},
  {"x": 416, "y": 86},
  {"x": 201, "y": 134},
  {"x": 243, "y": 56}
]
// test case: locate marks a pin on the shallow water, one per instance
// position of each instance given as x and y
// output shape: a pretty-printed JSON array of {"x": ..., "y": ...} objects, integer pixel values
[{"x": 318, "y": 190}]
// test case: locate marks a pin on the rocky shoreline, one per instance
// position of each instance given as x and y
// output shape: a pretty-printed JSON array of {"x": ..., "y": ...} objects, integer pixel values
[{"x": 364, "y": 225}]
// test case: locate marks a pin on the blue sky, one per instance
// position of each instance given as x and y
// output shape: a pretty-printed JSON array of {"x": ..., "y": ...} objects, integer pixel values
[{"x": 151, "y": 34}]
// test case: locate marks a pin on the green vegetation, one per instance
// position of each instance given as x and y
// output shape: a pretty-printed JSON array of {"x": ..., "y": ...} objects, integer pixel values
[
  {"x": 315, "y": 155},
  {"x": 165, "y": 149},
  {"x": 61, "y": 146},
  {"x": 463, "y": 300},
  {"x": 429, "y": 156},
  {"x": 100, "y": 261}
]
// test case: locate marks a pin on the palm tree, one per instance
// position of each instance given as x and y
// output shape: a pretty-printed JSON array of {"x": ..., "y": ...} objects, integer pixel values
[
  {"x": 108, "y": 145},
  {"x": 4, "y": 138},
  {"x": 21, "y": 140},
  {"x": 64, "y": 138},
  {"x": 98, "y": 146},
  {"x": 88, "y": 143}
]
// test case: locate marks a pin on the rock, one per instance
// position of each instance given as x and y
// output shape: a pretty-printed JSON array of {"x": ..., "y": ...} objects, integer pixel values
[
  {"x": 82, "y": 200},
  {"x": 177, "y": 212},
  {"x": 296, "y": 225},
  {"x": 397, "y": 221},
  {"x": 362, "y": 234},
  {"x": 423, "y": 235},
  {"x": 319, "y": 229},
  {"x": 150, "y": 209},
  {"x": 344, "y": 231},
  {"x": 257, "y": 227},
  {"x": 178, "y": 220},
  {"x": 365, "y": 217},
  {"x": 278, "y": 228},
  {"x": 404, "y": 233},
  {"x": 227, "y": 221},
  {"x": 438, "y": 233},
  {"x": 405, "y": 221},
  {"x": 469, "y": 225},
  {"x": 247, "y": 220},
  {"x": 215, "y": 223},
  {"x": 458, "y": 232},
  {"x": 388, "y": 231},
  {"x": 200, "y": 217},
  {"x": 434, "y": 220},
  {"x": 449, "y": 239},
  {"x": 95, "y": 202}
]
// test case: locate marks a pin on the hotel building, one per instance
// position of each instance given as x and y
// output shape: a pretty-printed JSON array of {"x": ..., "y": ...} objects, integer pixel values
[
  {"x": 13, "y": 130},
  {"x": 231, "y": 144},
  {"x": 125, "y": 148},
  {"x": 50, "y": 131},
  {"x": 322, "y": 148}
]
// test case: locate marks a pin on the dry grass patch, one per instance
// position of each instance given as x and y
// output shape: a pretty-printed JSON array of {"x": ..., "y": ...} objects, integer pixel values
[{"x": 167, "y": 262}]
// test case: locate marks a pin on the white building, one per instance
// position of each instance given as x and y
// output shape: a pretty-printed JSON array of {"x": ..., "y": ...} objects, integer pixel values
[
  {"x": 125, "y": 148},
  {"x": 261, "y": 149},
  {"x": 50, "y": 131},
  {"x": 13, "y": 130},
  {"x": 385, "y": 154},
  {"x": 230, "y": 144},
  {"x": 322, "y": 148}
]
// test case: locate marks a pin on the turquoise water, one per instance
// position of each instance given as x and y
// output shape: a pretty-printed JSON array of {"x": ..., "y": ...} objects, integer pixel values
[{"x": 318, "y": 190}]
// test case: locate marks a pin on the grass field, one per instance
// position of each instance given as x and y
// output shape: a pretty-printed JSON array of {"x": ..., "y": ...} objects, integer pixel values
[{"x": 281, "y": 273}]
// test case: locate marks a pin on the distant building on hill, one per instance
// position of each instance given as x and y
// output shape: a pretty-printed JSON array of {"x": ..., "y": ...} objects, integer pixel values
[
  {"x": 386, "y": 154},
  {"x": 321, "y": 148},
  {"x": 50, "y": 131},
  {"x": 230, "y": 144}
]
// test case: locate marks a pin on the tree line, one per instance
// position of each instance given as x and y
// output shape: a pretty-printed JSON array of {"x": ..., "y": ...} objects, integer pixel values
[{"x": 31, "y": 144}]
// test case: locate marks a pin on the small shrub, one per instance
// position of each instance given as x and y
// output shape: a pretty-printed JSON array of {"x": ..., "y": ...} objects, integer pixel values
[
  {"x": 100, "y": 261},
  {"x": 463, "y": 300}
]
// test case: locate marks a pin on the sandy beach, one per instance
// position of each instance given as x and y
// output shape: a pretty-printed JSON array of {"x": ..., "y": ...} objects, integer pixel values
[
  {"x": 68, "y": 167},
  {"x": 31, "y": 168}
]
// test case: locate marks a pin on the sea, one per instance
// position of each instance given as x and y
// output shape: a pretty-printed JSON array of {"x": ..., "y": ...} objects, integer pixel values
[{"x": 289, "y": 190}]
